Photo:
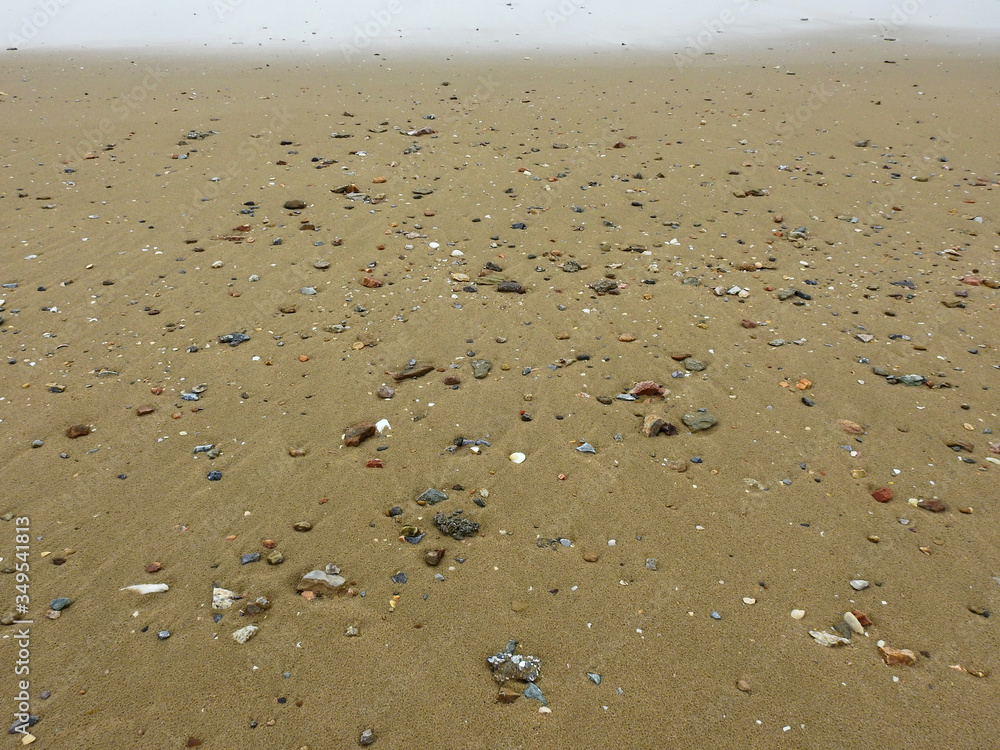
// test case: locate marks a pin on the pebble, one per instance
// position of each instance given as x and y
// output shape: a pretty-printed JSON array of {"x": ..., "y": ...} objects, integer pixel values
[
  {"x": 481, "y": 368},
  {"x": 163, "y": 635},
  {"x": 699, "y": 421},
  {"x": 61, "y": 603},
  {"x": 214, "y": 476},
  {"x": 245, "y": 633},
  {"x": 367, "y": 737},
  {"x": 859, "y": 584}
]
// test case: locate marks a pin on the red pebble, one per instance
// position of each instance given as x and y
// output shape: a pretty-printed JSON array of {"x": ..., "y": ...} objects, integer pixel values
[
  {"x": 883, "y": 495},
  {"x": 375, "y": 463}
]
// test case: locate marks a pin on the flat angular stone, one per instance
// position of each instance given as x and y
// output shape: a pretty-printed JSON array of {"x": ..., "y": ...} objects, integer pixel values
[
  {"x": 897, "y": 656},
  {"x": 699, "y": 421},
  {"x": 359, "y": 433},
  {"x": 321, "y": 582}
]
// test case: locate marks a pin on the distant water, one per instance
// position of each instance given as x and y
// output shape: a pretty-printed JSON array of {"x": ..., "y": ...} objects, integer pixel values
[{"x": 358, "y": 28}]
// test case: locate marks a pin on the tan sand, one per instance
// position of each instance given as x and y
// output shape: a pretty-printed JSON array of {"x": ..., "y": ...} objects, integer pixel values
[{"x": 784, "y": 122}]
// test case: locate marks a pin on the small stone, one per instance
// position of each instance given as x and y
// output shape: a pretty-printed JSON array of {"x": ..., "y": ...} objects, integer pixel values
[
  {"x": 302, "y": 526},
  {"x": 433, "y": 557},
  {"x": 650, "y": 563},
  {"x": 859, "y": 584},
  {"x": 743, "y": 686},
  {"x": 245, "y": 633},
  {"x": 648, "y": 388},
  {"x": 321, "y": 582},
  {"x": 61, "y": 603},
  {"x": 933, "y": 505},
  {"x": 883, "y": 495},
  {"x": 223, "y": 598},
  {"x": 699, "y": 421},
  {"x": 507, "y": 695},
  {"x": 798, "y": 614},
  {"x": 591, "y": 557},
  {"x": 385, "y": 392},
  {"x": 295, "y": 451},
  {"x": 367, "y": 737},
  {"x": 694, "y": 365},
  {"x": 897, "y": 656},
  {"x": 359, "y": 433},
  {"x": 861, "y": 617},
  {"x": 154, "y": 567},
  {"x": 77, "y": 430},
  {"x": 163, "y": 635},
  {"x": 481, "y": 368},
  {"x": 431, "y": 496},
  {"x": 295, "y": 204},
  {"x": 249, "y": 557},
  {"x": 142, "y": 411},
  {"x": 275, "y": 558}
]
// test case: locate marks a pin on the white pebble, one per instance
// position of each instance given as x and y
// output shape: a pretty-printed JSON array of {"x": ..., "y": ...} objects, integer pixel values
[
  {"x": 245, "y": 633},
  {"x": 147, "y": 588},
  {"x": 798, "y": 614}
]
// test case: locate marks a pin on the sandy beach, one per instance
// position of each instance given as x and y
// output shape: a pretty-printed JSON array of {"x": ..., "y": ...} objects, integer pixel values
[{"x": 797, "y": 241}]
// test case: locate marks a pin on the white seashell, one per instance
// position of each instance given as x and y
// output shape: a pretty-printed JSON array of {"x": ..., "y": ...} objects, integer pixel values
[
  {"x": 798, "y": 614},
  {"x": 146, "y": 588},
  {"x": 244, "y": 634},
  {"x": 517, "y": 458},
  {"x": 853, "y": 622},
  {"x": 828, "y": 639}
]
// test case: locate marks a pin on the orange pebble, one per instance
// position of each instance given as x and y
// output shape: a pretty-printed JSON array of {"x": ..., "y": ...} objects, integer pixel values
[{"x": 303, "y": 358}]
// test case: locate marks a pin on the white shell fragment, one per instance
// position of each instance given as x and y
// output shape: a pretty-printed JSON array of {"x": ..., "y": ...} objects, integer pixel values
[
  {"x": 244, "y": 634},
  {"x": 382, "y": 424},
  {"x": 798, "y": 614},
  {"x": 223, "y": 598},
  {"x": 517, "y": 458},
  {"x": 859, "y": 584},
  {"x": 147, "y": 588},
  {"x": 828, "y": 639},
  {"x": 853, "y": 623}
]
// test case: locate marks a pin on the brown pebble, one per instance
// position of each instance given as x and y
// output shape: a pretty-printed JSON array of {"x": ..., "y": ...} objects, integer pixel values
[
  {"x": 562, "y": 335},
  {"x": 965, "y": 509},
  {"x": 626, "y": 337},
  {"x": 591, "y": 556},
  {"x": 506, "y": 695},
  {"x": 385, "y": 392},
  {"x": 651, "y": 425},
  {"x": 863, "y": 619},
  {"x": 293, "y": 451},
  {"x": 269, "y": 544},
  {"x": 519, "y": 606},
  {"x": 156, "y": 391},
  {"x": 851, "y": 428},
  {"x": 434, "y": 556},
  {"x": 883, "y": 495},
  {"x": 933, "y": 505},
  {"x": 302, "y": 526},
  {"x": 144, "y": 410},
  {"x": 77, "y": 430},
  {"x": 452, "y": 380},
  {"x": 154, "y": 567},
  {"x": 371, "y": 282},
  {"x": 748, "y": 323},
  {"x": 359, "y": 433},
  {"x": 743, "y": 686}
]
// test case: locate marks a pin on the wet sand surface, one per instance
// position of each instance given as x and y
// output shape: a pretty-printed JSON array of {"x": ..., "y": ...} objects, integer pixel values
[{"x": 843, "y": 203}]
